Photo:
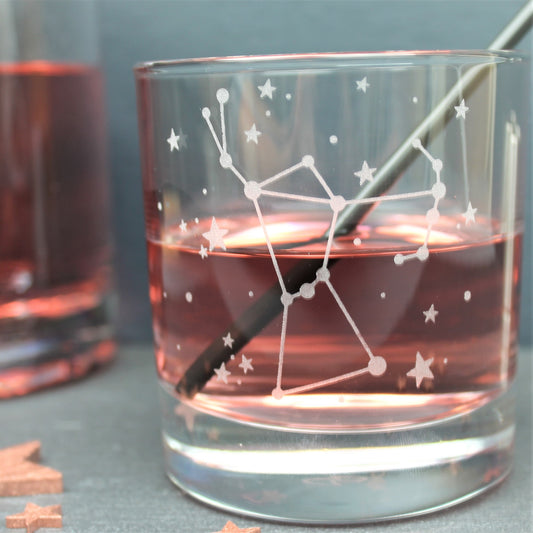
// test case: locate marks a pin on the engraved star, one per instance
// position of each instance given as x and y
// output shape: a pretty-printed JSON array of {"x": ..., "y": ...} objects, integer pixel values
[
  {"x": 215, "y": 236},
  {"x": 430, "y": 314},
  {"x": 20, "y": 473},
  {"x": 470, "y": 214},
  {"x": 365, "y": 174},
  {"x": 230, "y": 527},
  {"x": 183, "y": 225},
  {"x": 267, "y": 89},
  {"x": 421, "y": 370},
  {"x": 173, "y": 141},
  {"x": 461, "y": 109},
  {"x": 252, "y": 134},
  {"x": 246, "y": 364},
  {"x": 228, "y": 341},
  {"x": 34, "y": 517},
  {"x": 203, "y": 251},
  {"x": 362, "y": 85},
  {"x": 222, "y": 373}
]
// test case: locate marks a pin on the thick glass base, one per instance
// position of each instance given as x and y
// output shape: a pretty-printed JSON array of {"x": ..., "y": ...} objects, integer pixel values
[
  {"x": 336, "y": 477},
  {"x": 69, "y": 338}
]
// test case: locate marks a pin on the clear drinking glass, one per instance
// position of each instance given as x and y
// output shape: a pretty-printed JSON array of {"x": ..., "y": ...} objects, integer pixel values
[
  {"x": 54, "y": 226},
  {"x": 334, "y": 247}
]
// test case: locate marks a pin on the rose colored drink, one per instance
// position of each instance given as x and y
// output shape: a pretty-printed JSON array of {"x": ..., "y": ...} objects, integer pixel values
[
  {"x": 54, "y": 226},
  {"x": 468, "y": 359}
]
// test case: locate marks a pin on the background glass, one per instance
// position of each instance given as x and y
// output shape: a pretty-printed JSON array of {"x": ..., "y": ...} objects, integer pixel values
[
  {"x": 374, "y": 379},
  {"x": 54, "y": 227}
]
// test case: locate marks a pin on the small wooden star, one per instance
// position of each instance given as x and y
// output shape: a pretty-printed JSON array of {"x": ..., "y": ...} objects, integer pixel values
[
  {"x": 230, "y": 527},
  {"x": 20, "y": 474},
  {"x": 34, "y": 517}
]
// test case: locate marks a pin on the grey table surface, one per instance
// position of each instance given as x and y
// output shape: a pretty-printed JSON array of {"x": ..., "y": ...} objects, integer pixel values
[{"x": 103, "y": 434}]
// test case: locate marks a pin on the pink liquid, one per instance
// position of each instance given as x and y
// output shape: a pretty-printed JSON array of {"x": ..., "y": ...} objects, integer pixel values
[
  {"x": 471, "y": 342},
  {"x": 54, "y": 227}
]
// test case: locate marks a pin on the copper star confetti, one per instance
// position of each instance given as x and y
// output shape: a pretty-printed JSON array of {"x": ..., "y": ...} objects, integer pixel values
[
  {"x": 20, "y": 473},
  {"x": 34, "y": 517},
  {"x": 230, "y": 527}
]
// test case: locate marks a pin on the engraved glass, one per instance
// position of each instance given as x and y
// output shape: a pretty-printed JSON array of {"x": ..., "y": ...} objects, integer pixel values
[{"x": 334, "y": 247}]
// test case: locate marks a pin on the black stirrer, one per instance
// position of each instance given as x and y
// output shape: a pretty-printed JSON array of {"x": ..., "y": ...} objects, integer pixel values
[{"x": 269, "y": 305}]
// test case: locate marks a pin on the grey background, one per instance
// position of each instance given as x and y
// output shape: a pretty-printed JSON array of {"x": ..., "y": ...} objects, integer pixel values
[{"x": 139, "y": 30}]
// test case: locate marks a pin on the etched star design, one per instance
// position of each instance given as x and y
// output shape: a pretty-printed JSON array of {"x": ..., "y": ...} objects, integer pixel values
[
  {"x": 252, "y": 134},
  {"x": 35, "y": 517},
  {"x": 222, "y": 373},
  {"x": 230, "y": 527},
  {"x": 421, "y": 370},
  {"x": 228, "y": 341},
  {"x": 362, "y": 85},
  {"x": 173, "y": 141},
  {"x": 20, "y": 473},
  {"x": 183, "y": 225},
  {"x": 461, "y": 109},
  {"x": 430, "y": 314},
  {"x": 267, "y": 89},
  {"x": 203, "y": 251},
  {"x": 215, "y": 236},
  {"x": 470, "y": 214},
  {"x": 365, "y": 174},
  {"x": 246, "y": 364}
]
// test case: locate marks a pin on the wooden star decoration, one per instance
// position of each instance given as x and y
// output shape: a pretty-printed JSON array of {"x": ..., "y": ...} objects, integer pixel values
[
  {"x": 230, "y": 527},
  {"x": 34, "y": 517},
  {"x": 20, "y": 474}
]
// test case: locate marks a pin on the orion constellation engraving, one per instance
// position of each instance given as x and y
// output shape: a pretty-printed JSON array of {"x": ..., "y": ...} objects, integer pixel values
[{"x": 253, "y": 190}]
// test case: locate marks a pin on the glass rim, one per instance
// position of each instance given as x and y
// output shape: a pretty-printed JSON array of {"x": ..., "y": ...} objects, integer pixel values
[{"x": 305, "y": 60}]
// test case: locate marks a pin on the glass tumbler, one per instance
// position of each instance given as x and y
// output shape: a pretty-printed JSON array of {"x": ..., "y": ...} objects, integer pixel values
[
  {"x": 54, "y": 226},
  {"x": 334, "y": 246}
]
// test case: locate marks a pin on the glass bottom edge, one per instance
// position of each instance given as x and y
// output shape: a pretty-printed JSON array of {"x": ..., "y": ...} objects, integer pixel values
[{"x": 346, "y": 478}]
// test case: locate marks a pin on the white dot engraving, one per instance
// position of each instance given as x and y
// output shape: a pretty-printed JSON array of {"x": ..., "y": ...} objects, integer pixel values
[
  {"x": 357, "y": 241},
  {"x": 333, "y": 139},
  {"x": 288, "y": 96},
  {"x": 251, "y": 294},
  {"x": 222, "y": 96},
  {"x": 159, "y": 206},
  {"x": 204, "y": 192},
  {"x": 383, "y": 295},
  {"x": 188, "y": 296},
  {"x": 225, "y": 160},
  {"x": 467, "y": 296},
  {"x": 415, "y": 100},
  {"x": 307, "y": 290},
  {"x": 268, "y": 113}
]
